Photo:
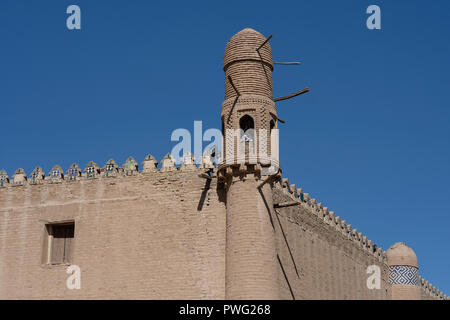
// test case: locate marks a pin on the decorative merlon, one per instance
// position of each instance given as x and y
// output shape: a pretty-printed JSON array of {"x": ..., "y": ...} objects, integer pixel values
[
  {"x": 111, "y": 169},
  {"x": 19, "y": 177},
  {"x": 130, "y": 167},
  {"x": 168, "y": 163},
  {"x": 36, "y": 176},
  {"x": 56, "y": 174},
  {"x": 208, "y": 160},
  {"x": 74, "y": 172},
  {"x": 149, "y": 164},
  {"x": 92, "y": 170},
  {"x": 4, "y": 179},
  {"x": 188, "y": 162}
]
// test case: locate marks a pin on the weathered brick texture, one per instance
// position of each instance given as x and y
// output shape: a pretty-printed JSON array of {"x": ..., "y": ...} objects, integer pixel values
[
  {"x": 135, "y": 237},
  {"x": 179, "y": 233},
  {"x": 319, "y": 262},
  {"x": 251, "y": 270}
]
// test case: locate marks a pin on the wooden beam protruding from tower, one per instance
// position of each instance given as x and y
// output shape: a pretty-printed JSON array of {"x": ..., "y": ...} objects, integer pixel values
[
  {"x": 287, "y": 63},
  {"x": 292, "y": 95}
]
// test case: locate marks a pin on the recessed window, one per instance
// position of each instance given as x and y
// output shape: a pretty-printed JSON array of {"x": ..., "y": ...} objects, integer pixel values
[{"x": 60, "y": 242}]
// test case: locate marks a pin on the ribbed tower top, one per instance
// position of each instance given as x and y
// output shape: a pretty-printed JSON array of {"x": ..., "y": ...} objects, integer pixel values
[
  {"x": 243, "y": 45},
  {"x": 400, "y": 254}
]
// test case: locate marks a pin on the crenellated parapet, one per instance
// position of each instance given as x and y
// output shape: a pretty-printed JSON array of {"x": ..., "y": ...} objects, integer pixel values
[
  {"x": 329, "y": 218},
  {"x": 431, "y": 290},
  {"x": 110, "y": 170}
]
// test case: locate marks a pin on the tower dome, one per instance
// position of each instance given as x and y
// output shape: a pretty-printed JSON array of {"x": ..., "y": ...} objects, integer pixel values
[
  {"x": 248, "y": 63},
  {"x": 400, "y": 254},
  {"x": 243, "y": 45}
]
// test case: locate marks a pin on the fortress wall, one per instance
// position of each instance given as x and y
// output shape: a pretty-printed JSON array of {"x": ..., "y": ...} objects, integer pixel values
[
  {"x": 139, "y": 236},
  {"x": 319, "y": 256}
]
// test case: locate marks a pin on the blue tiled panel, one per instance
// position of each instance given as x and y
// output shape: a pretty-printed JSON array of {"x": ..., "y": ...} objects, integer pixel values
[{"x": 403, "y": 275}]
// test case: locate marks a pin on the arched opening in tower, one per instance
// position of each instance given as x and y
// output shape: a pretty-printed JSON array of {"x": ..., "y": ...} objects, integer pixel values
[
  {"x": 247, "y": 125},
  {"x": 247, "y": 139}
]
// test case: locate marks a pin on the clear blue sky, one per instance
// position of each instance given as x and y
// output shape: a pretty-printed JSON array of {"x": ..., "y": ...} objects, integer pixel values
[{"x": 370, "y": 141}]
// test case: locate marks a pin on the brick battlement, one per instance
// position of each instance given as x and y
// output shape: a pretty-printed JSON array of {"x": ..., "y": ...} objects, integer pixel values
[
  {"x": 147, "y": 234},
  {"x": 92, "y": 170},
  {"x": 431, "y": 291}
]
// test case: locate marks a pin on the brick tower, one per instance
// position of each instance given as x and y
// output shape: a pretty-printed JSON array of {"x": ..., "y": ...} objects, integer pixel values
[{"x": 248, "y": 167}]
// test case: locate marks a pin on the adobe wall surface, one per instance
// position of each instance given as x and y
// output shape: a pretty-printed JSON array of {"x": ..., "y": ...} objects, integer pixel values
[
  {"x": 318, "y": 260},
  {"x": 159, "y": 235}
]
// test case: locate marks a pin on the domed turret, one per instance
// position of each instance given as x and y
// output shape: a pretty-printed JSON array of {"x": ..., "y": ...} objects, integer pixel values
[
  {"x": 401, "y": 255},
  {"x": 243, "y": 45},
  {"x": 403, "y": 272}
]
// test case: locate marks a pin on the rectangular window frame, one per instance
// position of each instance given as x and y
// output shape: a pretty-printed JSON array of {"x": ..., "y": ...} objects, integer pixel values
[{"x": 50, "y": 228}]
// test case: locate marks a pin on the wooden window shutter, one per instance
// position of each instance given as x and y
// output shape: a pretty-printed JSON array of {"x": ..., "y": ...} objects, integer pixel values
[
  {"x": 61, "y": 242},
  {"x": 58, "y": 243},
  {"x": 69, "y": 234}
]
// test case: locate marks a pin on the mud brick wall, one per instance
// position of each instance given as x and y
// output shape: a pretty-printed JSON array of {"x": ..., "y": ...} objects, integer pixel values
[
  {"x": 159, "y": 235},
  {"x": 318, "y": 261}
]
